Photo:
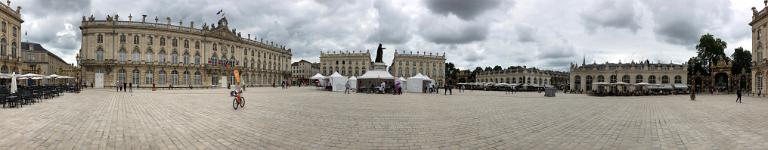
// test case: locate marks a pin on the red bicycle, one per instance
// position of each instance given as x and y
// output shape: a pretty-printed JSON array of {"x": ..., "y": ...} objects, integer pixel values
[{"x": 238, "y": 101}]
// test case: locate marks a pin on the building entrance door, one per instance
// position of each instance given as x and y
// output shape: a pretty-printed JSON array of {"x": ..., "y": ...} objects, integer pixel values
[{"x": 98, "y": 80}]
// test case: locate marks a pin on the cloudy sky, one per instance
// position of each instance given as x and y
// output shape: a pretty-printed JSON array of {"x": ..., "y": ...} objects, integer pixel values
[{"x": 547, "y": 34}]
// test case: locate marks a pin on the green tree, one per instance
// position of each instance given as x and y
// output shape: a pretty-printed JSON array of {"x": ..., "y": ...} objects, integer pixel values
[
  {"x": 477, "y": 70},
  {"x": 710, "y": 49},
  {"x": 450, "y": 72},
  {"x": 488, "y": 69},
  {"x": 742, "y": 64}
]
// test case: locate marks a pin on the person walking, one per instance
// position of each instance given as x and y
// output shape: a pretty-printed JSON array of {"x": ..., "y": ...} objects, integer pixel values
[
  {"x": 125, "y": 85},
  {"x": 130, "y": 87},
  {"x": 738, "y": 96},
  {"x": 117, "y": 86},
  {"x": 346, "y": 86}
]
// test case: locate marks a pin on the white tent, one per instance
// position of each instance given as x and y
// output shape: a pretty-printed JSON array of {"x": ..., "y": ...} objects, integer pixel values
[
  {"x": 417, "y": 83},
  {"x": 353, "y": 82},
  {"x": 337, "y": 81},
  {"x": 376, "y": 74},
  {"x": 319, "y": 78}
]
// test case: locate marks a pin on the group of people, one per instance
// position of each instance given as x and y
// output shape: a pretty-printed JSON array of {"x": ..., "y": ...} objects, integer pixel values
[{"x": 124, "y": 87}]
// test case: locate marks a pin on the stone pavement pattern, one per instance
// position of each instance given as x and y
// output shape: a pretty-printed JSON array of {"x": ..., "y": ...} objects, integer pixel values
[{"x": 304, "y": 118}]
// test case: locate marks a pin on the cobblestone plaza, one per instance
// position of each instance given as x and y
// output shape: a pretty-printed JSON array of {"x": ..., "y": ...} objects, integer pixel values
[{"x": 306, "y": 118}]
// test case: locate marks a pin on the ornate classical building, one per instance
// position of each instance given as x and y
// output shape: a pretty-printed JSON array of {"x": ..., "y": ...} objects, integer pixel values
[
  {"x": 151, "y": 53},
  {"x": 345, "y": 62},
  {"x": 409, "y": 64},
  {"x": 39, "y": 60},
  {"x": 582, "y": 77},
  {"x": 519, "y": 75},
  {"x": 302, "y": 70},
  {"x": 759, "y": 61},
  {"x": 10, "y": 39}
]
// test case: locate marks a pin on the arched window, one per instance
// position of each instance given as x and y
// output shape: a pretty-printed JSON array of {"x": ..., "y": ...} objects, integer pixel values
[
  {"x": 652, "y": 79},
  {"x": 174, "y": 77},
  {"x": 99, "y": 38},
  {"x": 198, "y": 79},
  {"x": 197, "y": 58},
  {"x": 136, "y": 54},
  {"x": 186, "y": 43},
  {"x": 576, "y": 82},
  {"x": 100, "y": 54},
  {"x": 121, "y": 75},
  {"x": 3, "y": 46},
  {"x": 13, "y": 49},
  {"x": 136, "y": 39},
  {"x": 678, "y": 79},
  {"x": 186, "y": 78},
  {"x": 664, "y": 79},
  {"x": 639, "y": 79},
  {"x": 186, "y": 57},
  {"x": 149, "y": 54},
  {"x": 600, "y": 78},
  {"x": 148, "y": 75},
  {"x": 4, "y": 69},
  {"x": 613, "y": 79},
  {"x": 174, "y": 42},
  {"x": 161, "y": 56},
  {"x": 162, "y": 41},
  {"x": 136, "y": 77},
  {"x": 197, "y": 44},
  {"x": 161, "y": 77},
  {"x": 122, "y": 55},
  {"x": 174, "y": 57},
  {"x": 625, "y": 79}
]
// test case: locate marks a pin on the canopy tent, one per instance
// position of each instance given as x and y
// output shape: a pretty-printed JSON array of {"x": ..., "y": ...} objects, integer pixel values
[
  {"x": 338, "y": 82},
  {"x": 374, "y": 78},
  {"x": 417, "y": 83},
  {"x": 320, "y": 79},
  {"x": 353, "y": 82}
]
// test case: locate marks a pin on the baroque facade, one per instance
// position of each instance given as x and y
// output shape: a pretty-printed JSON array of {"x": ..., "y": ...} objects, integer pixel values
[
  {"x": 583, "y": 77},
  {"x": 347, "y": 63},
  {"x": 519, "y": 75},
  {"x": 159, "y": 54},
  {"x": 759, "y": 62},
  {"x": 10, "y": 39},
  {"x": 409, "y": 64}
]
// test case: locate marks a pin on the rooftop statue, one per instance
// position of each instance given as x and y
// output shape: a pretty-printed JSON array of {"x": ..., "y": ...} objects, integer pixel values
[{"x": 378, "y": 54}]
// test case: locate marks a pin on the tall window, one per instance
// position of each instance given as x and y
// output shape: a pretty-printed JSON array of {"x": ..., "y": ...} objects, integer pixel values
[
  {"x": 639, "y": 79},
  {"x": 100, "y": 54},
  {"x": 197, "y": 58},
  {"x": 174, "y": 42},
  {"x": 121, "y": 75},
  {"x": 186, "y": 43},
  {"x": 652, "y": 79},
  {"x": 162, "y": 41},
  {"x": 149, "y": 40},
  {"x": 122, "y": 54},
  {"x": 198, "y": 79},
  {"x": 122, "y": 39},
  {"x": 678, "y": 79},
  {"x": 625, "y": 79},
  {"x": 136, "y": 54},
  {"x": 99, "y": 38},
  {"x": 174, "y": 77},
  {"x": 161, "y": 56},
  {"x": 197, "y": 44},
  {"x": 186, "y": 57},
  {"x": 136, "y": 77},
  {"x": 149, "y": 55},
  {"x": 148, "y": 77},
  {"x": 186, "y": 78},
  {"x": 174, "y": 57},
  {"x": 13, "y": 49},
  {"x": 664, "y": 80},
  {"x": 3, "y": 46},
  {"x": 5, "y": 25},
  {"x": 136, "y": 39},
  {"x": 161, "y": 78},
  {"x": 589, "y": 83},
  {"x": 576, "y": 83}
]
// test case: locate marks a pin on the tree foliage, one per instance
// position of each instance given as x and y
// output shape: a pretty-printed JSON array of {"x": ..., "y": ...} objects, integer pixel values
[
  {"x": 710, "y": 49},
  {"x": 742, "y": 61}
]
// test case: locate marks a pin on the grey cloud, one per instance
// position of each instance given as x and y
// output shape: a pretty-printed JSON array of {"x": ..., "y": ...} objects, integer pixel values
[
  {"x": 676, "y": 22},
  {"x": 448, "y": 30},
  {"x": 612, "y": 14},
  {"x": 526, "y": 33},
  {"x": 464, "y": 9},
  {"x": 392, "y": 24}
]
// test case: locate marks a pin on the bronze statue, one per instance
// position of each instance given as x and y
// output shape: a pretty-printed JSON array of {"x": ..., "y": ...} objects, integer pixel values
[{"x": 378, "y": 54}]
